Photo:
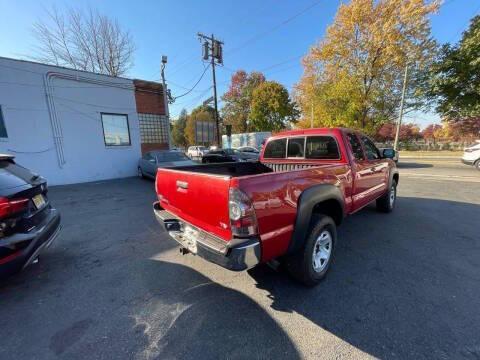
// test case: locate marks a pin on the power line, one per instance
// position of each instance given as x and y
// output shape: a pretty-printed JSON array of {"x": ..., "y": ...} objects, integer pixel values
[
  {"x": 181, "y": 86},
  {"x": 276, "y": 27},
  {"x": 188, "y": 103},
  {"x": 194, "y": 86},
  {"x": 270, "y": 66}
]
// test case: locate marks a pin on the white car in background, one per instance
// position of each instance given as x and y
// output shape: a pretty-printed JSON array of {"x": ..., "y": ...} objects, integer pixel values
[
  {"x": 196, "y": 151},
  {"x": 471, "y": 155}
]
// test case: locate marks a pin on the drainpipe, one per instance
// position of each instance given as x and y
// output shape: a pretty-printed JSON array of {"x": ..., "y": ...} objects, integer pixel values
[{"x": 52, "y": 111}]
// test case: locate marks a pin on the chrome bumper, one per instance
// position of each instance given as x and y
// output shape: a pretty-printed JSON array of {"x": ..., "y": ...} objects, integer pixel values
[{"x": 236, "y": 255}]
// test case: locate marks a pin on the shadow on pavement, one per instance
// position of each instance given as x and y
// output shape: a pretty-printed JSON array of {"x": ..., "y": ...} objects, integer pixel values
[
  {"x": 405, "y": 285},
  {"x": 203, "y": 319},
  {"x": 413, "y": 165}
]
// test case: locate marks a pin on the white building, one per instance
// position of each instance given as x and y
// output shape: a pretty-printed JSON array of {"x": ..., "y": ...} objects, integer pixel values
[{"x": 73, "y": 126}]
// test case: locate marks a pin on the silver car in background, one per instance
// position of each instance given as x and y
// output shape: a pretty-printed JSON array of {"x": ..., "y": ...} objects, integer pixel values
[{"x": 152, "y": 160}]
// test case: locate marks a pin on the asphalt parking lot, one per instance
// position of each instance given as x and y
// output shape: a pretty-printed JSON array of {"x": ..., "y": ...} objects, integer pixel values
[{"x": 114, "y": 286}]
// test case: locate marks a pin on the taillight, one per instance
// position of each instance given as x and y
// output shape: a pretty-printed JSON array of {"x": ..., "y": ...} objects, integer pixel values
[
  {"x": 243, "y": 220},
  {"x": 11, "y": 207}
]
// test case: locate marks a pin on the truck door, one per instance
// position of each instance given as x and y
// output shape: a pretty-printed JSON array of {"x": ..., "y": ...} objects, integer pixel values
[
  {"x": 363, "y": 170},
  {"x": 378, "y": 168}
]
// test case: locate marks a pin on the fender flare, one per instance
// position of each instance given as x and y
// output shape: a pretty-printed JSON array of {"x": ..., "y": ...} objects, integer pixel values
[
  {"x": 306, "y": 202},
  {"x": 393, "y": 172}
]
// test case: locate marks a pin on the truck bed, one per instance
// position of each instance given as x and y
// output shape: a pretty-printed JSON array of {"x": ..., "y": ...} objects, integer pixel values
[{"x": 234, "y": 169}]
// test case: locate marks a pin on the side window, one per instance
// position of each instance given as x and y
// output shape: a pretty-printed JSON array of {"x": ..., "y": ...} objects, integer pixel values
[
  {"x": 370, "y": 149},
  {"x": 160, "y": 157},
  {"x": 115, "y": 130},
  {"x": 322, "y": 147},
  {"x": 3, "y": 129},
  {"x": 296, "y": 147},
  {"x": 276, "y": 149},
  {"x": 355, "y": 146},
  {"x": 148, "y": 156}
]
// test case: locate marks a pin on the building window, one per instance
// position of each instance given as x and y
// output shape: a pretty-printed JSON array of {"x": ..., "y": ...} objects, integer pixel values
[
  {"x": 115, "y": 130},
  {"x": 154, "y": 129},
  {"x": 3, "y": 129}
]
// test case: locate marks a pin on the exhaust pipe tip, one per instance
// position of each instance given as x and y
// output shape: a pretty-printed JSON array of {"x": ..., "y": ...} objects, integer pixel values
[{"x": 184, "y": 251}]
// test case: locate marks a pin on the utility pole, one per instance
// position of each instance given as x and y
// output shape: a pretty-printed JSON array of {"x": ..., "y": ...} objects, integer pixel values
[
  {"x": 400, "y": 115},
  {"x": 313, "y": 97},
  {"x": 213, "y": 49},
  {"x": 165, "y": 97},
  {"x": 311, "y": 118}
]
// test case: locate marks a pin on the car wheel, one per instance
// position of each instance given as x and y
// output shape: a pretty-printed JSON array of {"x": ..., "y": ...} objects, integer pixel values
[
  {"x": 310, "y": 264},
  {"x": 140, "y": 173},
  {"x": 387, "y": 202},
  {"x": 477, "y": 164}
]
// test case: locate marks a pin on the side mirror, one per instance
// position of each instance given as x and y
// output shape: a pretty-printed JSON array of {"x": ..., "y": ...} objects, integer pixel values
[{"x": 388, "y": 153}]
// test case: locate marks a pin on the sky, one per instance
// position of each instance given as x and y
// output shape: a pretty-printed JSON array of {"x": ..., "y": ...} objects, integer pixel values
[{"x": 267, "y": 35}]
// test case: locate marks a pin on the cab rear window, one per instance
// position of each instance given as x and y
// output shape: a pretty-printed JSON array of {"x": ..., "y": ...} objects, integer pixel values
[
  {"x": 322, "y": 147},
  {"x": 276, "y": 149},
  {"x": 310, "y": 147}
]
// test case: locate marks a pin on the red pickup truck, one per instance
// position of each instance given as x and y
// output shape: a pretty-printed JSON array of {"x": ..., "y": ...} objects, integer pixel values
[{"x": 286, "y": 206}]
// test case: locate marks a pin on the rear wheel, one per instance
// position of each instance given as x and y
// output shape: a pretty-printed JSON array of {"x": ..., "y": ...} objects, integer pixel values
[
  {"x": 477, "y": 164},
  {"x": 387, "y": 202},
  {"x": 310, "y": 264},
  {"x": 140, "y": 173}
]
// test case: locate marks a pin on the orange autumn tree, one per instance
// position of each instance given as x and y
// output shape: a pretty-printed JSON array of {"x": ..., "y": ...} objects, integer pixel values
[{"x": 353, "y": 76}]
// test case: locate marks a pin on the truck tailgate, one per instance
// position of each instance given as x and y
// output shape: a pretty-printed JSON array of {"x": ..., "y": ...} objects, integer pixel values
[{"x": 199, "y": 199}]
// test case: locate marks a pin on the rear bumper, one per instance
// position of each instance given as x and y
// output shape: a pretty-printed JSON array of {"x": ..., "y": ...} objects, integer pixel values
[
  {"x": 38, "y": 240},
  {"x": 468, "y": 162},
  {"x": 236, "y": 255}
]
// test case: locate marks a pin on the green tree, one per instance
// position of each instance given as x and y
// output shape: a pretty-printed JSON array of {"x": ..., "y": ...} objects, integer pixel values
[
  {"x": 455, "y": 76},
  {"x": 353, "y": 76},
  {"x": 238, "y": 98},
  {"x": 271, "y": 108},
  {"x": 178, "y": 131},
  {"x": 200, "y": 113}
]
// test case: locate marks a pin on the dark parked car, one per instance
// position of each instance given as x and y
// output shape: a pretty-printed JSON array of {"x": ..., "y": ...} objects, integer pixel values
[
  {"x": 152, "y": 160},
  {"x": 228, "y": 155},
  {"x": 28, "y": 222},
  {"x": 220, "y": 156},
  {"x": 249, "y": 153}
]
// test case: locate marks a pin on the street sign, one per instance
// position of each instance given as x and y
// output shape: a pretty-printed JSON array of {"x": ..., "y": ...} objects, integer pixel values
[{"x": 208, "y": 101}]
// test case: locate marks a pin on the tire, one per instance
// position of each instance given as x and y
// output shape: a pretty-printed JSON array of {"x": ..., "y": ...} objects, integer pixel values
[
  {"x": 319, "y": 245},
  {"x": 140, "y": 173},
  {"x": 387, "y": 202},
  {"x": 477, "y": 165}
]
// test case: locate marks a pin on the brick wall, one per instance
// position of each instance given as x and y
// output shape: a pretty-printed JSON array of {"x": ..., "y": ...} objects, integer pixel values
[
  {"x": 149, "y": 100},
  {"x": 153, "y": 146},
  {"x": 149, "y": 97}
]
